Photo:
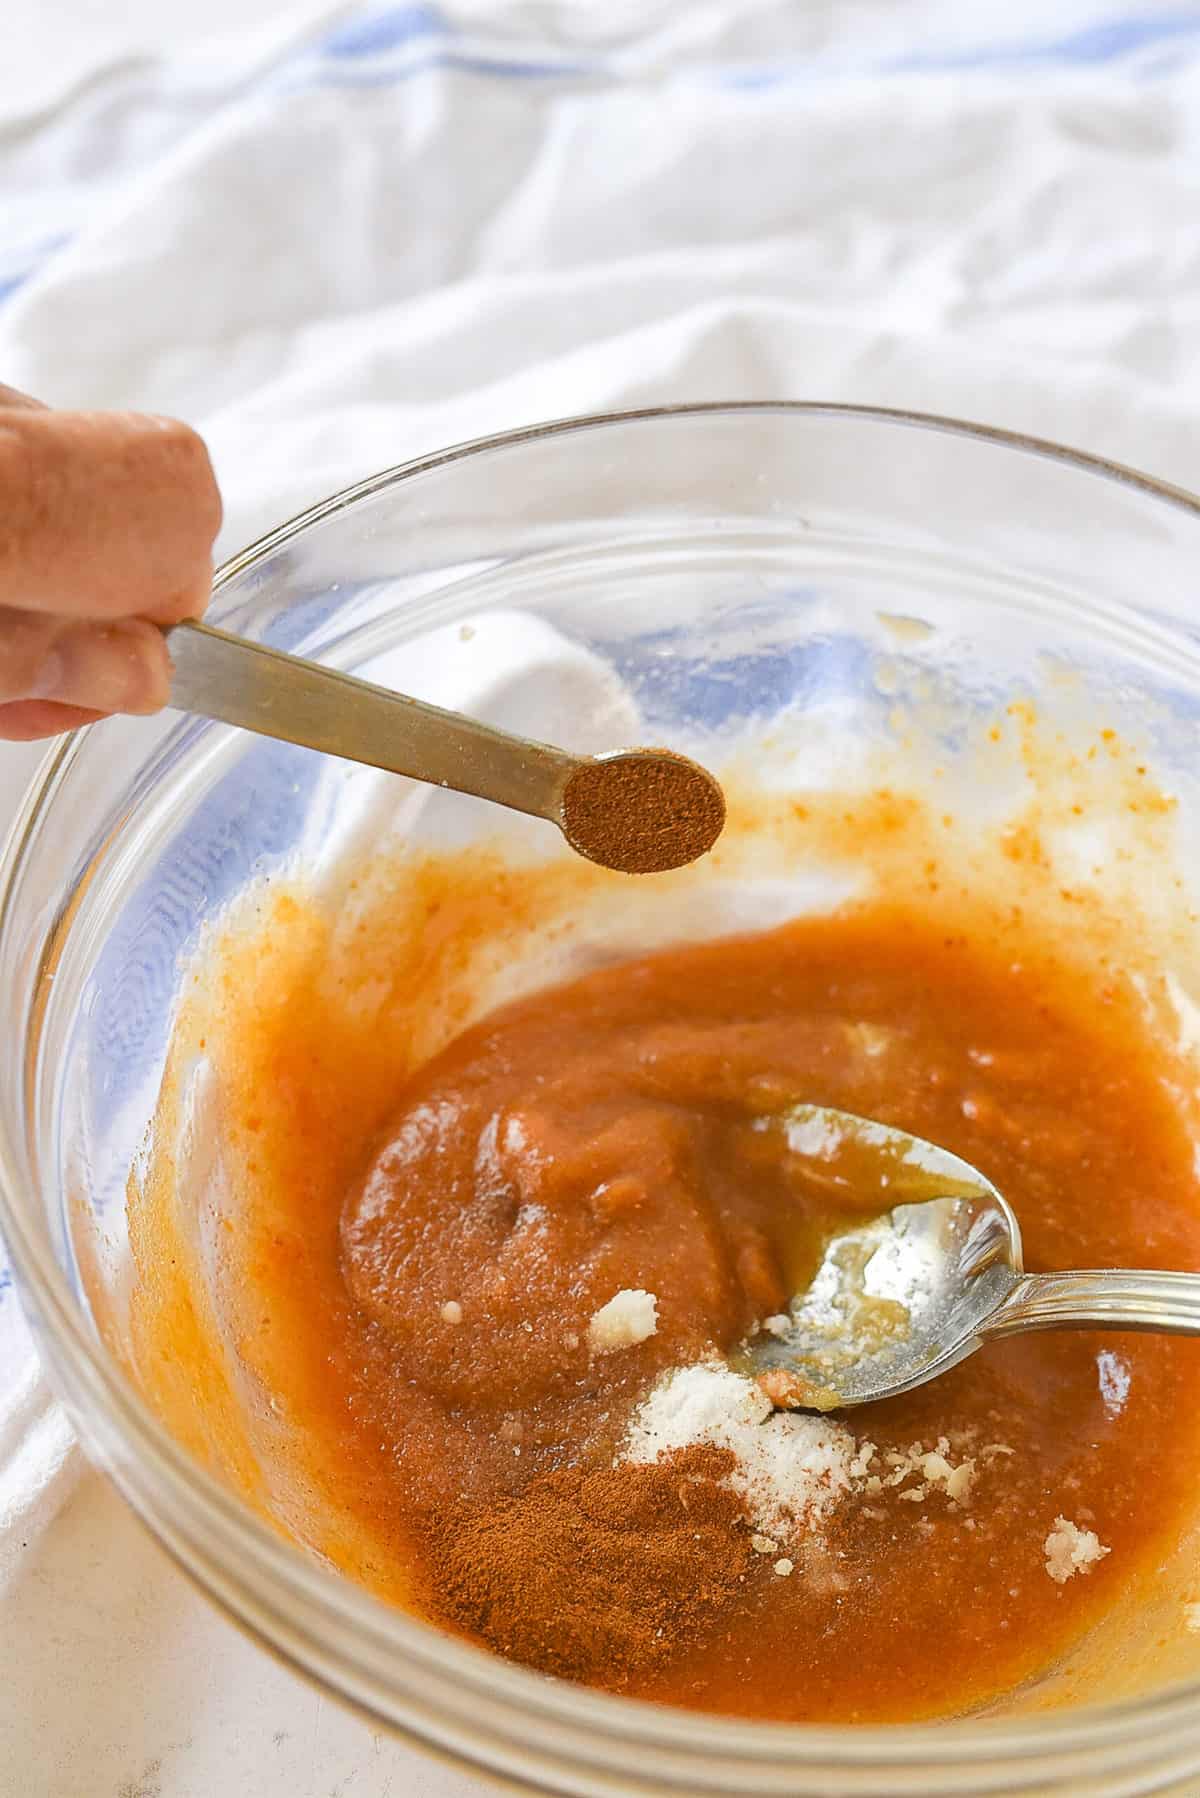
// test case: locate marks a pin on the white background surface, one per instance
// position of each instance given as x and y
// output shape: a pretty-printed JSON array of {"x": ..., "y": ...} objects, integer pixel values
[
  {"x": 48, "y": 48},
  {"x": 120, "y": 1681},
  {"x": 992, "y": 210}
]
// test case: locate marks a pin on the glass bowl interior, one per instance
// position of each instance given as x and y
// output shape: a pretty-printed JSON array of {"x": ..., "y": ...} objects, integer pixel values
[{"x": 864, "y": 585}]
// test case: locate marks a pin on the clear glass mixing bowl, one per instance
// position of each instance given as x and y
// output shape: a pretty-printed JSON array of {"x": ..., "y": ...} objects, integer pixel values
[{"x": 724, "y": 562}]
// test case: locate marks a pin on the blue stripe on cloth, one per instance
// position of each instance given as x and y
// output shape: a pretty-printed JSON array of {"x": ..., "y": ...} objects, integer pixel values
[
  {"x": 344, "y": 58},
  {"x": 385, "y": 31},
  {"x": 513, "y": 69},
  {"x": 1103, "y": 42},
  {"x": 26, "y": 261}
]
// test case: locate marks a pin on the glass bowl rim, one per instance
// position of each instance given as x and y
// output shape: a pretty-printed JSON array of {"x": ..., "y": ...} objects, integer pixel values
[{"x": 87, "y": 1375}]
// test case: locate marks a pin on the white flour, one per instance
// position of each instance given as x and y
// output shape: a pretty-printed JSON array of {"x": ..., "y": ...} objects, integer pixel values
[{"x": 791, "y": 1467}]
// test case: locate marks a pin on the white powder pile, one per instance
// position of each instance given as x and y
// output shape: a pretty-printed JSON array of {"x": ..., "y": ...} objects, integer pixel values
[
  {"x": 791, "y": 1467},
  {"x": 1070, "y": 1550}
]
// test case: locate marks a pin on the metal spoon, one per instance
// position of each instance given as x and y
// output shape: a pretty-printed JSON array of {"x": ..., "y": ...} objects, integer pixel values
[
  {"x": 640, "y": 811},
  {"x": 903, "y": 1298}
]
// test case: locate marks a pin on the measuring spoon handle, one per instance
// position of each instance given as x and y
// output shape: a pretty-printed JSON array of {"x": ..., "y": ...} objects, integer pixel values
[{"x": 236, "y": 681}]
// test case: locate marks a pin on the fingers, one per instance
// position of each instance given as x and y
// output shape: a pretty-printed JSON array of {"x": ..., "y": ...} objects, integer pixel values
[
  {"x": 117, "y": 666},
  {"x": 107, "y": 522},
  {"x": 104, "y": 515},
  {"x": 10, "y": 396},
  {"x": 25, "y": 720}
]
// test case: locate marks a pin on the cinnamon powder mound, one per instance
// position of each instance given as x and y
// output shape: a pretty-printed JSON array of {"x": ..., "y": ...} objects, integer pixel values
[
  {"x": 642, "y": 811},
  {"x": 595, "y": 1575}
]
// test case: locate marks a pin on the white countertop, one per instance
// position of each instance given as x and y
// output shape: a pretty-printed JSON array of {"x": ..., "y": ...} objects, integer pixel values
[{"x": 121, "y": 1681}]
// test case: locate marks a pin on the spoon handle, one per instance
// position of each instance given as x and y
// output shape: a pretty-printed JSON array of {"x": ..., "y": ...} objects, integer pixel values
[
  {"x": 1106, "y": 1298},
  {"x": 240, "y": 682}
]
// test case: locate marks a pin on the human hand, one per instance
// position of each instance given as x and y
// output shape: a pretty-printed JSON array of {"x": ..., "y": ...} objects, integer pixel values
[{"x": 107, "y": 521}]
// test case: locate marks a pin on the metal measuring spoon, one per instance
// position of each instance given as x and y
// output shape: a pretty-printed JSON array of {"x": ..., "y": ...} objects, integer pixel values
[
  {"x": 640, "y": 811},
  {"x": 908, "y": 1295}
]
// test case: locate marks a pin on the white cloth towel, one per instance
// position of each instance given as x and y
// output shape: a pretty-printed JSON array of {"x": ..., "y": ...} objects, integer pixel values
[{"x": 397, "y": 226}]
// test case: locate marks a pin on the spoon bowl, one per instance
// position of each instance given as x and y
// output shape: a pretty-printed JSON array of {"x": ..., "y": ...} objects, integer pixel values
[{"x": 904, "y": 1296}]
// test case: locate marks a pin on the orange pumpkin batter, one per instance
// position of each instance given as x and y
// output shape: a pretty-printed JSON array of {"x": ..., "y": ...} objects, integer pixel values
[
  {"x": 598, "y": 1137},
  {"x": 418, "y": 1254}
]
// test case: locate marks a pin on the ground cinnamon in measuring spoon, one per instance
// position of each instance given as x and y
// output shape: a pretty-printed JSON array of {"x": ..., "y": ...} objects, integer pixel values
[
  {"x": 595, "y": 1575},
  {"x": 642, "y": 811}
]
